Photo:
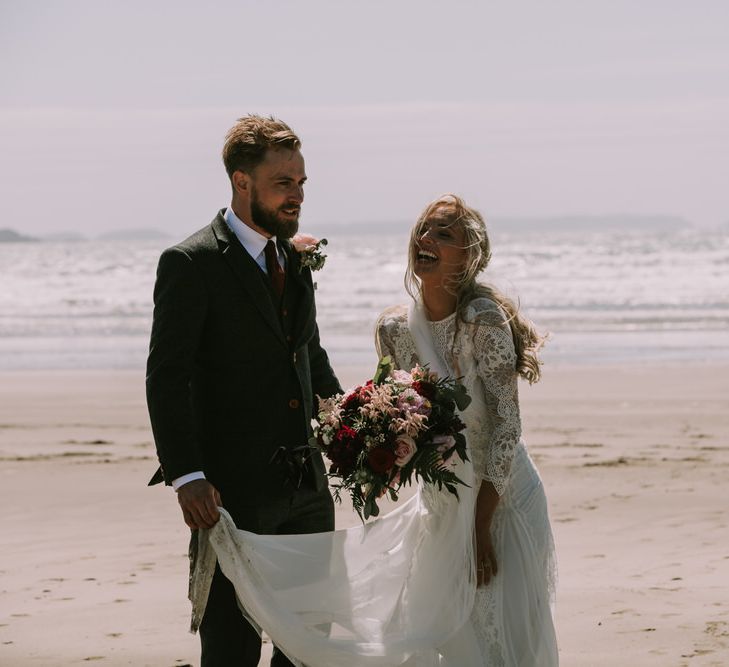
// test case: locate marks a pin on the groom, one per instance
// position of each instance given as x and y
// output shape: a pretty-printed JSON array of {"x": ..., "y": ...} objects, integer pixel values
[{"x": 233, "y": 369}]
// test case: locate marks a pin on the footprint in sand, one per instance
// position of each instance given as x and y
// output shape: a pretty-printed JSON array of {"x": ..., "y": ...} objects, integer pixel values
[
  {"x": 620, "y": 612},
  {"x": 697, "y": 652},
  {"x": 717, "y": 629}
]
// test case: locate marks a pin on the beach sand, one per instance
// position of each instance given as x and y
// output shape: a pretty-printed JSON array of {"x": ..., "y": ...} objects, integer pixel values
[{"x": 635, "y": 461}]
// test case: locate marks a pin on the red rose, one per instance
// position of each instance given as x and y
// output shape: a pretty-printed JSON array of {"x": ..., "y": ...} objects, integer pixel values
[
  {"x": 345, "y": 433},
  {"x": 352, "y": 401},
  {"x": 381, "y": 459},
  {"x": 344, "y": 450},
  {"x": 425, "y": 389}
]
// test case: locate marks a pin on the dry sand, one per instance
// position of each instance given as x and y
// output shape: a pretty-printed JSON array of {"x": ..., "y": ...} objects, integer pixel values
[{"x": 635, "y": 461}]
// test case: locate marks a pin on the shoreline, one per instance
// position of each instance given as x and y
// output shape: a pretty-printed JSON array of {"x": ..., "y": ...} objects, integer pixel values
[{"x": 634, "y": 460}]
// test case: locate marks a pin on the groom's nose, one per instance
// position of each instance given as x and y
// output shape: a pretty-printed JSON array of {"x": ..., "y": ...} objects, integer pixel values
[{"x": 297, "y": 194}]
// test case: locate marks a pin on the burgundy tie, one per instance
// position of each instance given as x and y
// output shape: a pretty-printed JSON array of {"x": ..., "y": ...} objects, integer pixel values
[{"x": 275, "y": 272}]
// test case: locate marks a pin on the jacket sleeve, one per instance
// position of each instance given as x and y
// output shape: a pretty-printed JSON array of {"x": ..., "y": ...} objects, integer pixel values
[
  {"x": 323, "y": 381},
  {"x": 180, "y": 305}
]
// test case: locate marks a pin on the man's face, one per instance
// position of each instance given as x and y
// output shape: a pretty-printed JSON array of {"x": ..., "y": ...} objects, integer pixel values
[{"x": 277, "y": 192}]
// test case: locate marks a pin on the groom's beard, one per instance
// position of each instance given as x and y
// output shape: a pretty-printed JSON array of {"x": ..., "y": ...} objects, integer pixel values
[{"x": 272, "y": 220}]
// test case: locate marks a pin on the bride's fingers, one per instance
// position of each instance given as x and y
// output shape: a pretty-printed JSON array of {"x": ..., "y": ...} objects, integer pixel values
[
  {"x": 492, "y": 560},
  {"x": 486, "y": 566}
]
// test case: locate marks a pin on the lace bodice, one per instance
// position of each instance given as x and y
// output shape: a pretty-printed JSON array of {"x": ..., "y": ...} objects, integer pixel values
[{"x": 481, "y": 351}]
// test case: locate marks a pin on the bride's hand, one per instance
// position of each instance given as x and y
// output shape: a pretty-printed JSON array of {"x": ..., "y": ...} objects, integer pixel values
[
  {"x": 486, "y": 566},
  {"x": 486, "y": 503}
]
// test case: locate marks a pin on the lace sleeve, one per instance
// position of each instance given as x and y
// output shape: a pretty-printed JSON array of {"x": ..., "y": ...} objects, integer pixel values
[
  {"x": 383, "y": 337},
  {"x": 393, "y": 338},
  {"x": 493, "y": 347}
]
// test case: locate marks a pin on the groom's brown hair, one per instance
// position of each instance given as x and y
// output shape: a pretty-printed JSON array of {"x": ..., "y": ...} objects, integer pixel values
[{"x": 248, "y": 140}]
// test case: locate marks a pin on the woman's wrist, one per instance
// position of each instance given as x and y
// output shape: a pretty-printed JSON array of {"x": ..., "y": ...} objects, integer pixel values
[{"x": 486, "y": 503}]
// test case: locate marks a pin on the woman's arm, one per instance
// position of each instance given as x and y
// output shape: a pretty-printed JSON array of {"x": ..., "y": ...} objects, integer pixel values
[{"x": 495, "y": 358}]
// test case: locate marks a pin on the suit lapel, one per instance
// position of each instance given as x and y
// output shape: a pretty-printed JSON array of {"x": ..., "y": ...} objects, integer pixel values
[
  {"x": 244, "y": 267},
  {"x": 299, "y": 292}
]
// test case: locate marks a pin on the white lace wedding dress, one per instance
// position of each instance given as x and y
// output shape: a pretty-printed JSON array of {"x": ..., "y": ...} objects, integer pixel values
[
  {"x": 511, "y": 616},
  {"x": 401, "y": 590}
]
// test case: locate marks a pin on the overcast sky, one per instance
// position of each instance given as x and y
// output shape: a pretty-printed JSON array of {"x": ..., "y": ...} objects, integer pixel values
[{"x": 113, "y": 113}]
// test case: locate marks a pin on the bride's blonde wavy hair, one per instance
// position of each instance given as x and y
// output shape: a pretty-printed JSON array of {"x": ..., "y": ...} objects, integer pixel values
[{"x": 527, "y": 340}]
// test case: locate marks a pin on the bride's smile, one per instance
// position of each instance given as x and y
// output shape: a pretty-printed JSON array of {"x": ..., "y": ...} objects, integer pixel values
[{"x": 439, "y": 251}]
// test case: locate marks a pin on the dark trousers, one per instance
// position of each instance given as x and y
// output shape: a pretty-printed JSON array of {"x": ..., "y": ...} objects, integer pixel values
[{"x": 227, "y": 639}]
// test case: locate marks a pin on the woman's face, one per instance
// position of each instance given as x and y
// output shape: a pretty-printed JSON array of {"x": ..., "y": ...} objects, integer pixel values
[{"x": 439, "y": 252}]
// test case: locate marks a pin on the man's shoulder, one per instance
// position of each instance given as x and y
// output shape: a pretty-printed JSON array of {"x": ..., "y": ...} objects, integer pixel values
[{"x": 199, "y": 243}]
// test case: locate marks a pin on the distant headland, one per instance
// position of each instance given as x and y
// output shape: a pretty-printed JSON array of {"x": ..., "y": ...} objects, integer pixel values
[{"x": 11, "y": 236}]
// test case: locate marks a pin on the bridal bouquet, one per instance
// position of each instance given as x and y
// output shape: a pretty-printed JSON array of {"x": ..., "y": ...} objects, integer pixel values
[{"x": 397, "y": 426}]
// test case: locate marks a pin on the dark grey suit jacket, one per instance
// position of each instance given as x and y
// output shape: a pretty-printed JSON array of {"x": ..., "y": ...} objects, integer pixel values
[{"x": 231, "y": 377}]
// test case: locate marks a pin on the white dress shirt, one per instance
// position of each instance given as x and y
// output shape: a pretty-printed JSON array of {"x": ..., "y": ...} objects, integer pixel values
[{"x": 254, "y": 244}]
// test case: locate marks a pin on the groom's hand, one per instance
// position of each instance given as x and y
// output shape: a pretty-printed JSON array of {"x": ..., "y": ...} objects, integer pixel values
[{"x": 199, "y": 501}]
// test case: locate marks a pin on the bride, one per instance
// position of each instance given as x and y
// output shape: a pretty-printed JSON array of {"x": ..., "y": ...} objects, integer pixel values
[
  {"x": 414, "y": 587},
  {"x": 479, "y": 335}
]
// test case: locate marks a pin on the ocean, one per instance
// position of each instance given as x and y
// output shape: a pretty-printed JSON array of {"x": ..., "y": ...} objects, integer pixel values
[{"x": 605, "y": 297}]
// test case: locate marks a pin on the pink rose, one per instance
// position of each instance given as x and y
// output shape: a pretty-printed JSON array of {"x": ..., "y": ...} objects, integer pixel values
[
  {"x": 405, "y": 449},
  {"x": 401, "y": 377},
  {"x": 412, "y": 401},
  {"x": 304, "y": 242}
]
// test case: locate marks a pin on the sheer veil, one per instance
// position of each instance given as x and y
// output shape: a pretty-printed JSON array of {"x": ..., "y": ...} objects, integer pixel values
[{"x": 396, "y": 591}]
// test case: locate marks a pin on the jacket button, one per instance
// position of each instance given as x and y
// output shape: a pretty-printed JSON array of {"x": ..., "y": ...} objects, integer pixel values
[
  {"x": 285, "y": 312},
  {"x": 289, "y": 338},
  {"x": 294, "y": 403},
  {"x": 294, "y": 356}
]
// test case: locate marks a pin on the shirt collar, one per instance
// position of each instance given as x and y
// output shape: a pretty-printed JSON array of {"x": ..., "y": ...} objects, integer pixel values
[{"x": 250, "y": 239}]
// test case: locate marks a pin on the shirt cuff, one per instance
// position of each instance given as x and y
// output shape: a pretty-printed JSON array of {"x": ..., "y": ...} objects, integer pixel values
[{"x": 179, "y": 481}]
